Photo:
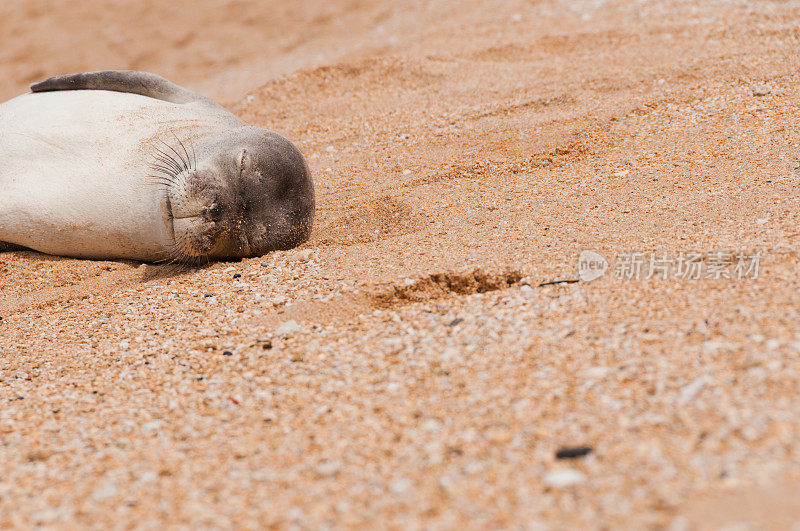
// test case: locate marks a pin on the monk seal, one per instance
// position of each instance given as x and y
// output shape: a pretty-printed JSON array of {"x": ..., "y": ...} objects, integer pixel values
[{"x": 127, "y": 165}]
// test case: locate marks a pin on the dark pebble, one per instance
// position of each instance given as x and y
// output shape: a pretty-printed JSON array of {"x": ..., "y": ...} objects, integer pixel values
[
  {"x": 227, "y": 353},
  {"x": 455, "y": 321},
  {"x": 237, "y": 275},
  {"x": 573, "y": 452}
]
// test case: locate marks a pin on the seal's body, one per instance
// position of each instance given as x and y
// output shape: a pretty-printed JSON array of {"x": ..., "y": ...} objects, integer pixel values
[
  {"x": 127, "y": 165},
  {"x": 74, "y": 175}
]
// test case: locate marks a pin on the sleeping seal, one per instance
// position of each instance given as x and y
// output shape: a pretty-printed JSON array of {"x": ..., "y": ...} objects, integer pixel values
[{"x": 127, "y": 165}]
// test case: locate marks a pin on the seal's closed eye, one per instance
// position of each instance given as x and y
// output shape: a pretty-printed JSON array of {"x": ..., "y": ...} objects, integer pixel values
[{"x": 244, "y": 161}]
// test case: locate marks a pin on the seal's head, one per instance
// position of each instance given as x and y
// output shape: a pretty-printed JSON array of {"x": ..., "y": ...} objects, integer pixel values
[{"x": 240, "y": 194}]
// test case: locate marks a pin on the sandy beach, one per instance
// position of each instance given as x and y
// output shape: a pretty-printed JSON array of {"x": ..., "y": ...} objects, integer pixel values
[{"x": 421, "y": 360}]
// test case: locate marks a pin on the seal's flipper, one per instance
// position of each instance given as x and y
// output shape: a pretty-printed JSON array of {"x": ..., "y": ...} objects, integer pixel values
[{"x": 135, "y": 82}]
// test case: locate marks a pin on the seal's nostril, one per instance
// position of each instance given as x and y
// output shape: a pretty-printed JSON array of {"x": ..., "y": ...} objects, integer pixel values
[{"x": 214, "y": 211}]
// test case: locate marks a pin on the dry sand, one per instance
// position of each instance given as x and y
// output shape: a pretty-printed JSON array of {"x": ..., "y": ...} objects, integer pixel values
[{"x": 373, "y": 378}]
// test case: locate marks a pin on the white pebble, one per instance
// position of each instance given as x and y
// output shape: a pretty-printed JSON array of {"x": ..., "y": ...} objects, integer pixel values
[
  {"x": 565, "y": 477},
  {"x": 690, "y": 391},
  {"x": 399, "y": 485},
  {"x": 287, "y": 328},
  {"x": 527, "y": 291},
  {"x": 679, "y": 523},
  {"x": 303, "y": 255},
  {"x": 772, "y": 344},
  {"x": 761, "y": 90},
  {"x": 596, "y": 373},
  {"x": 328, "y": 468}
]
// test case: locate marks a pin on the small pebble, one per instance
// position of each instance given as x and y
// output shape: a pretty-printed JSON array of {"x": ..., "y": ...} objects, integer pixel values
[
  {"x": 573, "y": 452},
  {"x": 288, "y": 327},
  {"x": 527, "y": 290},
  {"x": 303, "y": 255},
  {"x": 690, "y": 392},
  {"x": 680, "y": 523},
  {"x": 266, "y": 344},
  {"x": 761, "y": 90},
  {"x": 328, "y": 468},
  {"x": 399, "y": 485},
  {"x": 595, "y": 373},
  {"x": 565, "y": 477}
]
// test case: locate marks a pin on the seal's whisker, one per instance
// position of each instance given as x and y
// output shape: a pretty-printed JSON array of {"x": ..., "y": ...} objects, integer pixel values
[
  {"x": 188, "y": 159},
  {"x": 165, "y": 171},
  {"x": 162, "y": 173},
  {"x": 171, "y": 148},
  {"x": 164, "y": 185},
  {"x": 185, "y": 163},
  {"x": 168, "y": 159},
  {"x": 160, "y": 177},
  {"x": 175, "y": 253},
  {"x": 166, "y": 155},
  {"x": 163, "y": 177},
  {"x": 168, "y": 163},
  {"x": 163, "y": 163},
  {"x": 166, "y": 256},
  {"x": 179, "y": 251}
]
